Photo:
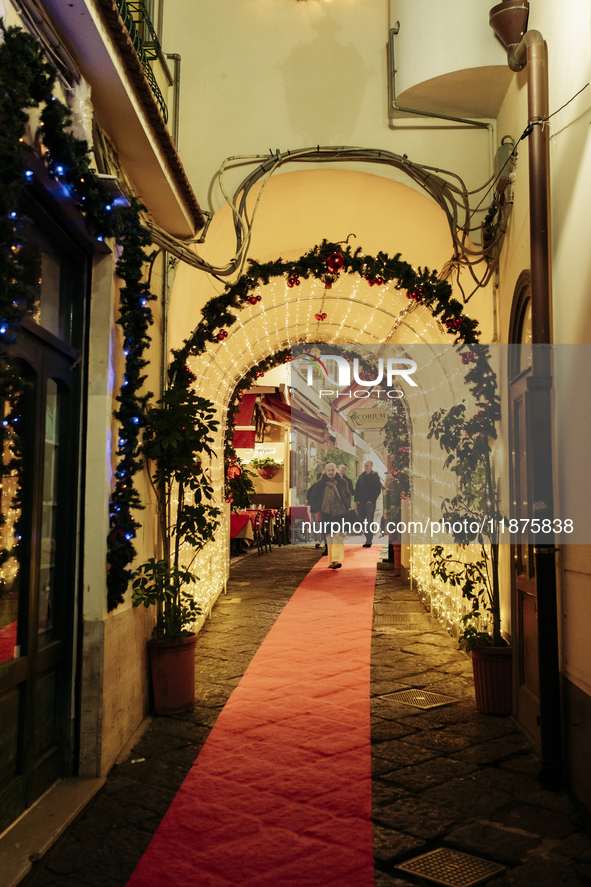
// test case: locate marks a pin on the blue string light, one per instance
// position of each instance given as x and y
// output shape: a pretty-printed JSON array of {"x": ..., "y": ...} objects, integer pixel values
[
  {"x": 13, "y": 215},
  {"x": 29, "y": 174},
  {"x": 135, "y": 420},
  {"x": 59, "y": 170}
]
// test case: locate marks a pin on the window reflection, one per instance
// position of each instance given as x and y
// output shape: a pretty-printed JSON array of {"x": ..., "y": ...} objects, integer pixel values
[
  {"x": 49, "y": 279},
  {"x": 10, "y": 527},
  {"x": 49, "y": 523},
  {"x": 525, "y": 337}
]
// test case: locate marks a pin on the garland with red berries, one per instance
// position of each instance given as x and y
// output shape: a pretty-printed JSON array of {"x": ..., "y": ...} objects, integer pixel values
[
  {"x": 27, "y": 82},
  {"x": 327, "y": 262}
]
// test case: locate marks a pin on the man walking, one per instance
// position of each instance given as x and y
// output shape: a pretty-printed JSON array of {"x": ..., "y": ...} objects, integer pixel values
[
  {"x": 343, "y": 472},
  {"x": 367, "y": 490}
]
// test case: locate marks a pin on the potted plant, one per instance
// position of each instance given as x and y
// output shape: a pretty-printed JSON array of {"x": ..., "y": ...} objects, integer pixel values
[
  {"x": 467, "y": 441},
  {"x": 239, "y": 484},
  {"x": 266, "y": 468},
  {"x": 176, "y": 434}
]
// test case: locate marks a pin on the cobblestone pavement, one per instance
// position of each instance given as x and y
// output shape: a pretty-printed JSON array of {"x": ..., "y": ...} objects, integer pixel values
[{"x": 447, "y": 777}]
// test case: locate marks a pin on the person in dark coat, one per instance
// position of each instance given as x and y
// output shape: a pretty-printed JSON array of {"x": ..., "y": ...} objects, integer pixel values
[
  {"x": 367, "y": 491},
  {"x": 316, "y": 515},
  {"x": 330, "y": 496},
  {"x": 343, "y": 468}
]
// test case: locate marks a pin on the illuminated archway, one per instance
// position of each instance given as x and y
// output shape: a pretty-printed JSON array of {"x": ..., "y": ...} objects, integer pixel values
[{"x": 356, "y": 311}]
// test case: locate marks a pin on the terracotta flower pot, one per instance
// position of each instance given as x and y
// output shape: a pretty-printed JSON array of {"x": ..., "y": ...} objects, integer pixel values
[
  {"x": 268, "y": 473},
  {"x": 173, "y": 674},
  {"x": 491, "y": 667}
]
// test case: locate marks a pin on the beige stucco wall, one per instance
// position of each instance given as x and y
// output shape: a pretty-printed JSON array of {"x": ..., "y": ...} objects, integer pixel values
[
  {"x": 114, "y": 662},
  {"x": 567, "y": 31}
]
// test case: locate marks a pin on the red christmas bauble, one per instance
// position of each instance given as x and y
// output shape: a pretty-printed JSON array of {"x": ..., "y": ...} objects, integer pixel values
[
  {"x": 222, "y": 335},
  {"x": 335, "y": 263},
  {"x": 293, "y": 280},
  {"x": 233, "y": 471},
  {"x": 416, "y": 295}
]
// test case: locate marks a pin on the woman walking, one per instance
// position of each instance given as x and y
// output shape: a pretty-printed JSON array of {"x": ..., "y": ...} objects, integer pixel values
[{"x": 331, "y": 497}]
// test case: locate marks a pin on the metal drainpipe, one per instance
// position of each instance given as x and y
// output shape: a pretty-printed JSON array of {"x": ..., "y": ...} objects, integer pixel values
[
  {"x": 164, "y": 340},
  {"x": 176, "y": 93},
  {"x": 532, "y": 53}
]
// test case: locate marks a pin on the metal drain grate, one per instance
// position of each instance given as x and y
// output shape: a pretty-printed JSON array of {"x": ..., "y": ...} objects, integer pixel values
[
  {"x": 418, "y": 698},
  {"x": 451, "y": 868}
]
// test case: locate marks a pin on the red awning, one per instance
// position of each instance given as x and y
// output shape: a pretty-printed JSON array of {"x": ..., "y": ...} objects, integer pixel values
[
  {"x": 344, "y": 438},
  {"x": 244, "y": 434},
  {"x": 244, "y": 415},
  {"x": 347, "y": 396},
  {"x": 296, "y": 417},
  {"x": 244, "y": 440}
]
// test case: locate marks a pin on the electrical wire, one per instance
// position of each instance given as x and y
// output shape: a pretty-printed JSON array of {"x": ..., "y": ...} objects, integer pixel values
[
  {"x": 567, "y": 103},
  {"x": 451, "y": 196}
]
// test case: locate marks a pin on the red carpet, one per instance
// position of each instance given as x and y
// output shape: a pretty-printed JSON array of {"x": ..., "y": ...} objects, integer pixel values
[{"x": 280, "y": 795}]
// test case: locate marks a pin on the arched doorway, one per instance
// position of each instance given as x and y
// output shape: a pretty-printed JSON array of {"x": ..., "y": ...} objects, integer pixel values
[{"x": 298, "y": 210}]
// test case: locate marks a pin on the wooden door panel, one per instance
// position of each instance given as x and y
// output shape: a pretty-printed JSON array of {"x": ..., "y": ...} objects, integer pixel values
[{"x": 524, "y": 588}]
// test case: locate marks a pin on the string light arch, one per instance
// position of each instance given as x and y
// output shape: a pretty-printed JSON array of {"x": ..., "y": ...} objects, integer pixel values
[{"x": 277, "y": 305}]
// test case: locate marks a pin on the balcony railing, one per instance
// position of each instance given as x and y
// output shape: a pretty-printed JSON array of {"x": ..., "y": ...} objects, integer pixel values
[{"x": 145, "y": 42}]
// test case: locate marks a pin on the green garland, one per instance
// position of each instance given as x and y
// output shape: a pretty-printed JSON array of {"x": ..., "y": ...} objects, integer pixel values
[
  {"x": 326, "y": 262},
  {"x": 27, "y": 82}
]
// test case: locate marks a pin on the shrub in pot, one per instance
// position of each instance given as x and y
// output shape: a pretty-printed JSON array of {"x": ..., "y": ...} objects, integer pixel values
[
  {"x": 467, "y": 442},
  {"x": 266, "y": 468},
  {"x": 177, "y": 433}
]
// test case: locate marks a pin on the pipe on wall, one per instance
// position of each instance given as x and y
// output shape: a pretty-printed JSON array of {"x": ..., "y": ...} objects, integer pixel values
[{"x": 531, "y": 53}]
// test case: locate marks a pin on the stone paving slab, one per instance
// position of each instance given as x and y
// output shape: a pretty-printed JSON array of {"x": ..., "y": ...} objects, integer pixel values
[
  {"x": 448, "y": 776},
  {"x": 491, "y": 840}
]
